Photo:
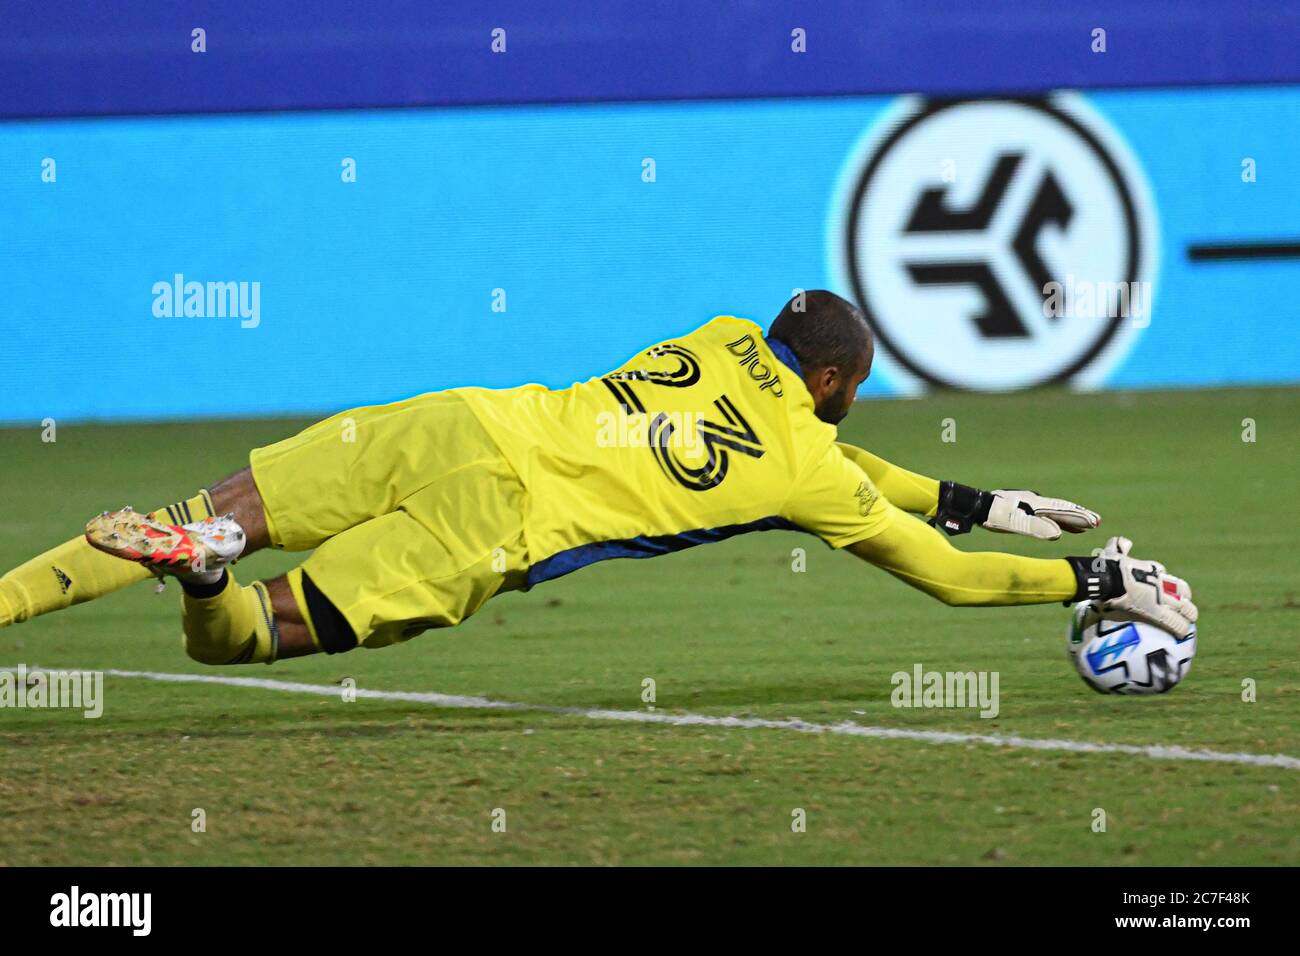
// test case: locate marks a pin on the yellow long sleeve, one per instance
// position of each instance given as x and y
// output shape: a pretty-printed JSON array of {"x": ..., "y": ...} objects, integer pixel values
[
  {"x": 905, "y": 489},
  {"x": 919, "y": 555}
]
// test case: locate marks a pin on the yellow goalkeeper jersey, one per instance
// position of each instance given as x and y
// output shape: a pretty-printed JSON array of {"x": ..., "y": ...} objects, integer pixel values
[{"x": 696, "y": 439}]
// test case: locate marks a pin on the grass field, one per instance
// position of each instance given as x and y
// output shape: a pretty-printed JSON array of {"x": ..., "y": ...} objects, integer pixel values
[{"x": 727, "y": 629}]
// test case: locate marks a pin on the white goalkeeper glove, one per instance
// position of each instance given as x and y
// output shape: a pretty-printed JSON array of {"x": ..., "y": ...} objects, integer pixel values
[
  {"x": 1129, "y": 589},
  {"x": 1010, "y": 512},
  {"x": 1029, "y": 513}
]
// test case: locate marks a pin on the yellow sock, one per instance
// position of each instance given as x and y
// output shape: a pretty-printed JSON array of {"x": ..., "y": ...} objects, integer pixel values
[
  {"x": 75, "y": 572},
  {"x": 227, "y": 624}
]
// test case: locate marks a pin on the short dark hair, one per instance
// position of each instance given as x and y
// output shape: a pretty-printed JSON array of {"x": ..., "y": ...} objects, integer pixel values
[{"x": 823, "y": 330}]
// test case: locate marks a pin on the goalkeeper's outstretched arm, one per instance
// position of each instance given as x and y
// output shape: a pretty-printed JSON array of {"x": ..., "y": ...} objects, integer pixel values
[
  {"x": 1124, "y": 588},
  {"x": 956, "y": 508},
  {"x": 916, "y": 553}
]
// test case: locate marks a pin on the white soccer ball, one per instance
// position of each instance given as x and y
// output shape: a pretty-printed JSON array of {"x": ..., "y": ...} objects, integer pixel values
[{"x": 1126, "y": 657}]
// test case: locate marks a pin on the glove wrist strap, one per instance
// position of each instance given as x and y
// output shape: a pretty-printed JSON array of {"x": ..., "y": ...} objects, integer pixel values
[
  {"x": 961, "y": 507},
  {"x": 1093, "y": 584}
]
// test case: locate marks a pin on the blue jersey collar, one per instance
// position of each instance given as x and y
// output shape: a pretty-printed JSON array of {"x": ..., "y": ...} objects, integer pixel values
[{"x": 785, "y": 354}]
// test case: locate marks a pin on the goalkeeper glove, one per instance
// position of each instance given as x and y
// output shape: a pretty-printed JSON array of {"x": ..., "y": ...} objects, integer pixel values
[
  {"x": 1127, "y": 589},
  {"x": 1012, "y": 512}
]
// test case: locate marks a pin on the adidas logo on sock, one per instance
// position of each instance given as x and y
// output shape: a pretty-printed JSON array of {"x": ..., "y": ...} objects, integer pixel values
[{"x": 65, "y": 582}]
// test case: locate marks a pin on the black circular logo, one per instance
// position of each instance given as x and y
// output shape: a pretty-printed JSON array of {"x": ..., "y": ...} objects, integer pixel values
[{"x": 996, "y": 244}]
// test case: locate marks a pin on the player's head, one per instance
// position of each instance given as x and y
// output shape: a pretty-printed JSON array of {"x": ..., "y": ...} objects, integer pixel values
[{"x": 833, "y": 343}]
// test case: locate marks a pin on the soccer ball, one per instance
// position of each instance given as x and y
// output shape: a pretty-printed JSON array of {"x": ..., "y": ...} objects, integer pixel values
[{"x": 1126, "y": 657}]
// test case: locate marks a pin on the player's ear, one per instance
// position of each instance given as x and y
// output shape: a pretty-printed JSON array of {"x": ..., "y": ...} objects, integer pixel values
[{"x": 821, "y": 380}]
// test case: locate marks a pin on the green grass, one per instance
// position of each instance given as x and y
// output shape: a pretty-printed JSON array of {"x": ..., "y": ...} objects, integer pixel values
[{"x": 725, "y": 629}]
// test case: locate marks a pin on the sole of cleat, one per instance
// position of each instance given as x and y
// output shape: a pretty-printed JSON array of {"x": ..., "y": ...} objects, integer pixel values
[{"x": 143, "y": 539}]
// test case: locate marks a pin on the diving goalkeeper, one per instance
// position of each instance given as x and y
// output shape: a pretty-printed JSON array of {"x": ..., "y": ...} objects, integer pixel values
[{"x": 418, "y": 512}]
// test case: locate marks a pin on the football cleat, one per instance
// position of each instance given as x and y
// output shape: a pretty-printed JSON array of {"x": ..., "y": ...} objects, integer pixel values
[{"x": 196, "y": 548}]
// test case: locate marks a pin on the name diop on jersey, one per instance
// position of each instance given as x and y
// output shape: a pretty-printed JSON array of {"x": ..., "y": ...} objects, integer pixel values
[
  {"x": 632, "y": 430},
  {"x": 746, "y": 349}
]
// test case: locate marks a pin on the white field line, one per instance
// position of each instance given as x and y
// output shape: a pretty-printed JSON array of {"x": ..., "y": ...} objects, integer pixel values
[{"x": 846, "y": 728}]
